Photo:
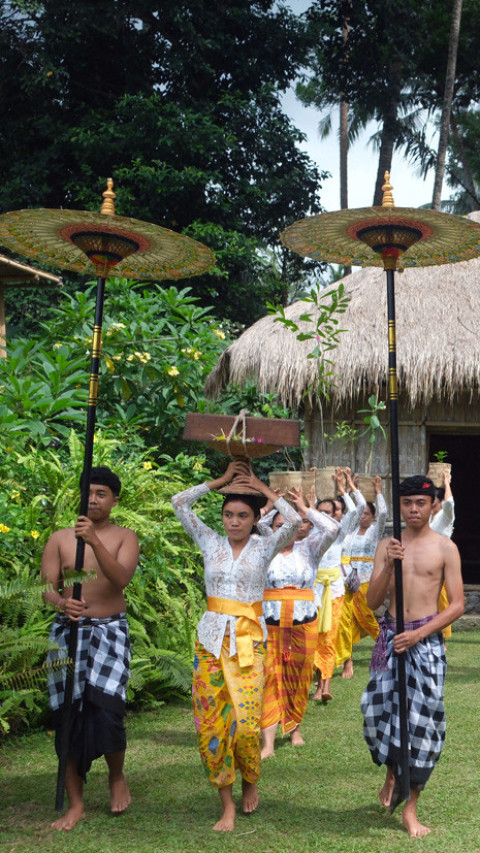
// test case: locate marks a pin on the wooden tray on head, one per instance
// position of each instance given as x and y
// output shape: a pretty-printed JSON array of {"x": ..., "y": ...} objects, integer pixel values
[
  {"x": 263, "y": 436},
  {"x": 231, "y": 489}
]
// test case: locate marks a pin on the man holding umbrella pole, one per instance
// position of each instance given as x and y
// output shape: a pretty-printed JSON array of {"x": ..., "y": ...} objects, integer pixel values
[
  {"x": 428, "y": 560},
  {"x": 103, "y": 650}
]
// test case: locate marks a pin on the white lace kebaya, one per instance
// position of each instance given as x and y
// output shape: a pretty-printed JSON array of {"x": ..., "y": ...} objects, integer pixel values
[
  {"x": 333, "y": 557},
  {"x": 299, "y": 567},
  {"x": 242, "y": 579},
  {"x": 364, "y": 545}
]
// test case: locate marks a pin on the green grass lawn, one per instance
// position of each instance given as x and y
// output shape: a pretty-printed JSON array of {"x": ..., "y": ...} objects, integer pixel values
[{"x": 321, "y": 798}]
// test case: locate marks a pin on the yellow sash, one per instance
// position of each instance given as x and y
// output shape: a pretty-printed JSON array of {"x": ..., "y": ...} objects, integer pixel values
[
  {"x": 346, "y": 560},
  {"x": 288, "y": 595},
  {"x": 326, "y": 577},
  {"x": 247, "y": 628}
]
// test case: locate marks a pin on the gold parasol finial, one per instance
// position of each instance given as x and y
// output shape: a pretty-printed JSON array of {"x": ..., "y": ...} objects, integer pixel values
[
  {"x": 108, "y": 207},
  {"x": 387, "y": 188}
]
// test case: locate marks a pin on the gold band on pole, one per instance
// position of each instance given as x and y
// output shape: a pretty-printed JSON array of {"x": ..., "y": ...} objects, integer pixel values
[
  {"x": 93, "y": 390},
  {"x": 96, "y": 341},
  {"x": 392, "y": 383},
  {"x": 392, "y": 342}
]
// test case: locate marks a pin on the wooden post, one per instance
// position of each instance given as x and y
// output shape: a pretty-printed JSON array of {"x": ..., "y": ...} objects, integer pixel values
[{"x": 397, "y": 532}]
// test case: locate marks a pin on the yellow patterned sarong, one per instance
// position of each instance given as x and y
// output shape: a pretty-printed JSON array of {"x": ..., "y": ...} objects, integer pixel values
[
  {"x": 357, "y": 621},
  {"x": 227, "y": 705}
]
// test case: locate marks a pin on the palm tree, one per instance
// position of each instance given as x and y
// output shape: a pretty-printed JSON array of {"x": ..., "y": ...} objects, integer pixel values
[{"x": 447, "y": 101}]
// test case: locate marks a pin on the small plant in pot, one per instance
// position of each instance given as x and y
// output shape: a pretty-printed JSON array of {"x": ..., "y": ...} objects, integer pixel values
[
  {"x": 373, "y": 428},
  {"x": 437, "y": 469}
]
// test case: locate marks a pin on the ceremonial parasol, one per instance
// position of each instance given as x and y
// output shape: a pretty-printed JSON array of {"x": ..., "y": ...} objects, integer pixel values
[
  {"x": 102, "y": 244},
  {"x": 394, "y": 238}
]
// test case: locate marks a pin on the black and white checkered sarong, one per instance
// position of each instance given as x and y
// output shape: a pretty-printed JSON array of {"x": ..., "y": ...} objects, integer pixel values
[
  {"x": 102, "y": 666},
  {"x": 425, "y": 667}
]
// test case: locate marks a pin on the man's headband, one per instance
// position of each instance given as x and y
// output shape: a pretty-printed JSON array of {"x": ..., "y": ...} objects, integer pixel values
[{"x": 417, "y": 485}]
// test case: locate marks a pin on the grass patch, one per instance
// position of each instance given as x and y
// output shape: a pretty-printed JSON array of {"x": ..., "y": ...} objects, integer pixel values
[{"x": 322, "y": 797}]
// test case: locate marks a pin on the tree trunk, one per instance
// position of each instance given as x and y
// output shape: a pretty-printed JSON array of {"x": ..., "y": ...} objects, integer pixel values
[
  {"x": 389, "y": 130},
  {"x": 346, "y": 12},
  {"x": 343, "y": 154},
  {"x": 468, "y": 183},
  {"x": 447, "y": 102}
]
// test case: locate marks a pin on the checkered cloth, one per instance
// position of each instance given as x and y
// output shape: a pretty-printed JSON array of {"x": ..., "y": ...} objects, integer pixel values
[
  {"x": 102, "y": 661},
  {"x": 425, "y": 667}
]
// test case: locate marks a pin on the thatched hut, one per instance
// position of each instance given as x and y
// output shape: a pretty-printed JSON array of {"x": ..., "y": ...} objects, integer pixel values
[{"x": 438, "y": 358}]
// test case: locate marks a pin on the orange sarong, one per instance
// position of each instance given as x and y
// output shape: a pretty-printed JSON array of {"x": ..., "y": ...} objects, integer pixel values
[
  {"x": 289, "y": 664},
  {"x": 288, "y": 595},
  {"x": 324, "y": 659}
]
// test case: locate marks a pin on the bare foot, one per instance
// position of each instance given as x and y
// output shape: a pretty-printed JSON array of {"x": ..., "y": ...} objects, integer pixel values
[
  {"x": 249, "y": 796},
  {"x": 318, "y": 694},
  {"x": 348, "y": 669},
  {"x": 296, "y": 738},
  {"x": 120, "y": 798},
  {"x": 227, "y": 820},
  {"x": 267, "y": 752},
  {"x": 70, "y": 819},
  {"x": 385, "y": 794},
  {"x": 413, "y": 826},
  {"x": 326, "y": 697}
]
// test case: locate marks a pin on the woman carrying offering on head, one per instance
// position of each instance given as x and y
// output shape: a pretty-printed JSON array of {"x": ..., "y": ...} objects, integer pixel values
[
  {"x": 228, "y": 678},
  {"x": 292, "y": 621}
]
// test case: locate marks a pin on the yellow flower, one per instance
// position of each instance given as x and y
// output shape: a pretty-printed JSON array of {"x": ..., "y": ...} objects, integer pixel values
[
  {"x": 57, "y": 345},
  {"x": 147, "y": 465},
  {"x": 4, "y": 528},
  {"x": 109, "y": 363},
  {"x": 219, "y": 334},
  {"x": 15, "y": 495},
  {"x": 131, "y": 358},
  {"x": 173, "y": 371},
  {"x": 34, "y": 534},
  {"x": 196, "y": 355},
  {"x": 118, "y": 326}
]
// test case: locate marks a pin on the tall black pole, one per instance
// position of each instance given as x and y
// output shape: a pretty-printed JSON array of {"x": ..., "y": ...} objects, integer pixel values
[
  {"x": 404, "y": 777},
  {"x": 80, "y": 551}
]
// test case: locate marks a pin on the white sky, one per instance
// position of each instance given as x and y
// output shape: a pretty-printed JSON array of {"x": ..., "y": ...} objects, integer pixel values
[{"x": 408, "y": 189}]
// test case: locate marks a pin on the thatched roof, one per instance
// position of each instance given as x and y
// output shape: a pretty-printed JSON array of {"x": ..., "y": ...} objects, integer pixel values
[
  {"x": 438, "y": 340},
  {"x": 13, "y": 272}
]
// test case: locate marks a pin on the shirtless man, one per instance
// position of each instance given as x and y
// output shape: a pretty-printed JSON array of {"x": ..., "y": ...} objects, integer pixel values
[
  {"x": 428, "y": 560},
  {"x": 103, "y": 649}
]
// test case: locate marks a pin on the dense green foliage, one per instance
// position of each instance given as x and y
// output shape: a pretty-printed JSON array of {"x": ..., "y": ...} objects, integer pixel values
[
  {"x": 165, "y": 598},
  {"x": 388, "y": 61},
  {"x": 180, "y": 103},
  {"x": 158, "y": 346},
  {"x": 155, "y": 358}
]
